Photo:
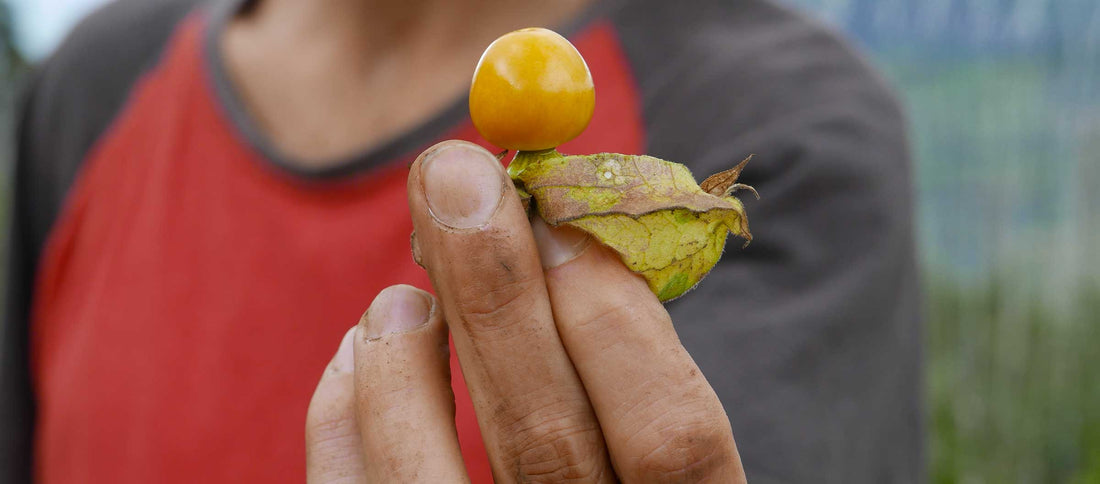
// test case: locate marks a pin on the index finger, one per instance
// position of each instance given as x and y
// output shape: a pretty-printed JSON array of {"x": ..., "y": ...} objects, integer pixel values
[
  {"x": 477, "y": 246},
  {"x": 661, "y": 419}
]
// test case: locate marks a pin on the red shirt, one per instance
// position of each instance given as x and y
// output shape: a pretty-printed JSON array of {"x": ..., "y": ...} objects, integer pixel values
[{"x": 192, "y": 292}]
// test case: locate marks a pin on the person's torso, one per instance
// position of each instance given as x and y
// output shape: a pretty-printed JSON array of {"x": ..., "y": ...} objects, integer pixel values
[
  {"x": 193, "y": 288},
  {"x": 192, "y": 284}
]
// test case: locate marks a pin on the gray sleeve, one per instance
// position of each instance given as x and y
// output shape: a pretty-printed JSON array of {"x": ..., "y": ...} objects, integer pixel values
[
  {"x": 16, "y": 401},
  {"x": 811, "y": 335},
  {"x": 68, "y": 104}
]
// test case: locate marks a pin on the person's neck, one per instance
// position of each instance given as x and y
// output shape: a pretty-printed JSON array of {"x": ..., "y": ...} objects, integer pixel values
[
  {"x": 325, "y": 78},
  {"x": 379, "y": 29}
]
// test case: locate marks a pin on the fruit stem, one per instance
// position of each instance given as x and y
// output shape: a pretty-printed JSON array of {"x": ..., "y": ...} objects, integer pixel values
[{"x": 524, "y": 159}]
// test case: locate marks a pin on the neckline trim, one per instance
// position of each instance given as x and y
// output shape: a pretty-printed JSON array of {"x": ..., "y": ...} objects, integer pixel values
[{"x": 230, "y": 101}]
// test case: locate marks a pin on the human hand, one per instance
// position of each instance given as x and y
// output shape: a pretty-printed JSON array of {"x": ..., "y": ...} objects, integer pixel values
[{"x": 574, "y": 368}]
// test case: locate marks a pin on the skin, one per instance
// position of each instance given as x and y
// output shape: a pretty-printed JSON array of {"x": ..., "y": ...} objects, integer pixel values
[
  {"x": 310, "y": 72},
  {"x": 574, "y": 367}
]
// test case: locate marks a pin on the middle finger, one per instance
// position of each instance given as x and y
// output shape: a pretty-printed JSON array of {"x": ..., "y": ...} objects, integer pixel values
[
  {"x": 475, "y": 240},
  {"x": 662, "y": 421}
]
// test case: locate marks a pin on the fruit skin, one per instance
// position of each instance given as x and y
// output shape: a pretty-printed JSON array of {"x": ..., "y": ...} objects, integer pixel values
[{"x": 531, "y": 91}]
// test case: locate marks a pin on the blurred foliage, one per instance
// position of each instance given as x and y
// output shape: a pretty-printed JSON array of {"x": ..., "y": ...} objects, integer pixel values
[
  {"x": 12, "y": 62},
  {"x": 1004, "y": 102},
  {"x": 12, "y": 67},
  {"x": 1012, "y": 384}
]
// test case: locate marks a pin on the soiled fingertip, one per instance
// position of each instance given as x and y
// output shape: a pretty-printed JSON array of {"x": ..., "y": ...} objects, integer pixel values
[
  {"x": 397, "y": 309},
  {"x": 463, "y": 184}
]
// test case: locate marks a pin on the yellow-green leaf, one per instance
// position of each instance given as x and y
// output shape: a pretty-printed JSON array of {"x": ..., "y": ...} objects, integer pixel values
[{"x": 650, "y": 211}]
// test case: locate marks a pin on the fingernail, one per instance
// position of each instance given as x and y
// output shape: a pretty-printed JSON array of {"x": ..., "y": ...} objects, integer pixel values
[
  {"x": 344, "y": 361},
  {"x": 558, "y": 245},
  {"x": 463, "y": 184},
  {"x": 397, "y": 309}
]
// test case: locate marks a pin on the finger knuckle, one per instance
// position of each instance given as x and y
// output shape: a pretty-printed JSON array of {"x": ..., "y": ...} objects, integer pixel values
[
  {"x": 566, "y": 448},
  {"x": 616, "y": 317},
  {"x": 683, "y": 450},
  {"x": 327, "y": 440},
  {"x": 322, "y": 431},
  {"x": 495, "y": 304},
  {"x": 330, "y": 448}
]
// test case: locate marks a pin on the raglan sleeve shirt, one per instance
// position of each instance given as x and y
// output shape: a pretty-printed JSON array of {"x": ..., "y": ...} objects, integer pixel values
[{"x": 810, "y": 335}]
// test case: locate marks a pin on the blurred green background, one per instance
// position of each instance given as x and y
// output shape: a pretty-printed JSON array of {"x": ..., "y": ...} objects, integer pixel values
[{"x": 1004, "y": 103}]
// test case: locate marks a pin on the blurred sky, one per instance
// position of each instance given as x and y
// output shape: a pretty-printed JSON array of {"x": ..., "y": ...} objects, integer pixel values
[{"x": 41, "y": 24}]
